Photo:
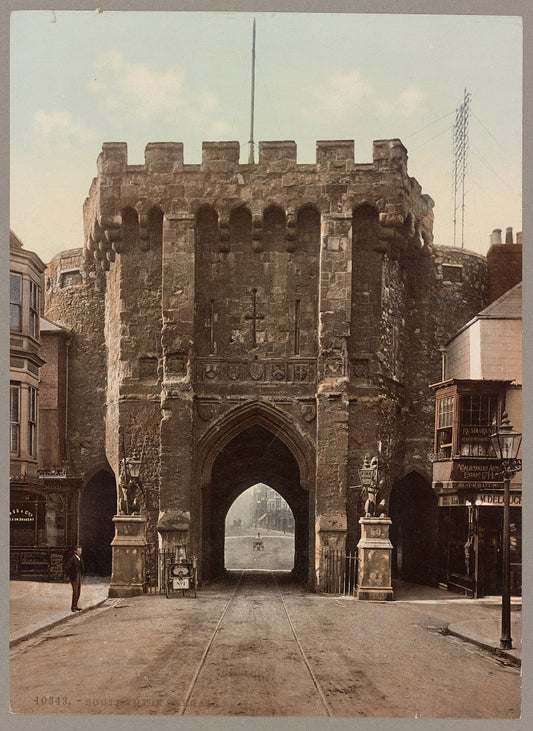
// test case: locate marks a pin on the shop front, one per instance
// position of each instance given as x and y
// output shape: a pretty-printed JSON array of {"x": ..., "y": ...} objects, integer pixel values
[
  {"x": 470, "y": 541},
  {"x": 42, "y": 526},
  {"x": 468, "y": 483}
]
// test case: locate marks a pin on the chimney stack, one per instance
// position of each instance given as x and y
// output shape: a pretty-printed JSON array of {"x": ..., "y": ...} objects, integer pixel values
[
  {"x": 504, "y": 262},
  {"x": 496, "y": 236}
]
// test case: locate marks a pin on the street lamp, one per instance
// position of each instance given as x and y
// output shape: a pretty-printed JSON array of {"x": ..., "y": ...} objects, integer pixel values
[
  {"x": 134, "y": 465},
  {"x": 130, "y": 483},
  {"x": 506, "y": 444}
]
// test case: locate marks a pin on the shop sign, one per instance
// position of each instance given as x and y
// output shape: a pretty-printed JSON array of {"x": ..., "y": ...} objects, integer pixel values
[
  {"x": 476, "y": 431},
  {"x": 447, "y": 500},
  {"x": 489, "y": 498},
  {"x": 475, "y": 470},
  {"x": 477, "y": 485},
  {"x": 483, "y": 499},
  {"x": 22, "y": 516}
]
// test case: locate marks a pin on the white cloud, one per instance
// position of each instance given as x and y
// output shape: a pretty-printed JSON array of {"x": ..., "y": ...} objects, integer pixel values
[
  {"x": 344, "y": 90},
  {"x": 60, "y": 123},
  {"x": 410, "y": 100},
  {"x": 120, "y": 79}
]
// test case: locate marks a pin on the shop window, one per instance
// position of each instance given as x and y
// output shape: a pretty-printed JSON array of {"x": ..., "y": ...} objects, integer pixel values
[
  {"x": 32, "y": 421},
  {"x": 34, "y": 310},
  {"x": 478, "y": 419},
  {"x": 479, "y": 410},
  {"x": 14, "y": 409},
  {"x": 15, "y": 302},
  {"x": 444, "y": 426}
]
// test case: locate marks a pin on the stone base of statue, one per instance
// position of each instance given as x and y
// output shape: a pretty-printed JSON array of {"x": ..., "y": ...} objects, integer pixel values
[
  {"x": 128, "y": 547},
  {"x": 374, "y": 560}
]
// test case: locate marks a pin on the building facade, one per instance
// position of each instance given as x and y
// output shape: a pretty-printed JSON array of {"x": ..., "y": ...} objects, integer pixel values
[
  {"x": 270, "y": 510},
  {"x": 271, "y": 322},
  {"x": 482, "y": 379},
  {"x": 44, "y": 492}
]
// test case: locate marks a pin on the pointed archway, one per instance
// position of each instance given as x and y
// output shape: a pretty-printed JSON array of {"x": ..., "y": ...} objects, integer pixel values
[
  {"x": 413, "y": 534},
  {"x": 255, "y": 443},
  {"x": 98, "y": 505}
]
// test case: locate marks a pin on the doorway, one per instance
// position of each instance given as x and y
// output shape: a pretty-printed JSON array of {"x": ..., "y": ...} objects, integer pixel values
[{"x": 98, "y": 505}]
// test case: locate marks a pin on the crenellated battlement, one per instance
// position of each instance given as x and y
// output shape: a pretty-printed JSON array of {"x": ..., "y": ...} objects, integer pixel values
[
  {"x": 128, "y": 201},
  {"x": 168, "y": 156}
]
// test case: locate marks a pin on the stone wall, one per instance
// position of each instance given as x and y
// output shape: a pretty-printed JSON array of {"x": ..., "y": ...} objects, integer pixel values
[
  {"x": 308, "y": 298},
  {"x": 74, "y": 300}
]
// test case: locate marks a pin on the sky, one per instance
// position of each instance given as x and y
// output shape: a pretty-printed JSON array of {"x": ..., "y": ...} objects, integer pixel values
[{"x": 140, "y": 77}]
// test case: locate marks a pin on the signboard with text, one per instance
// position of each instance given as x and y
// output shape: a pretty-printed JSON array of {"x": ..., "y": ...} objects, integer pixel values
[
  {"x": 483, "y": 499},
  {"x": 475, "y": 470},
  {"x": 21, "y": 515}
]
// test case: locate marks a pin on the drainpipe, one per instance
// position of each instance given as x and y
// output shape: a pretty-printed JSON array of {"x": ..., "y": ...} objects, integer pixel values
[
  {"x": 67, "y": 451},
  {"x": 442, "y": 350}
]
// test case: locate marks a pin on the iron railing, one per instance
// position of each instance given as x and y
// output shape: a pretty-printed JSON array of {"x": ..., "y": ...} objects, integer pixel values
[
  {"x": 340, "y": 572},
  {"x": 155, "y": 563}
]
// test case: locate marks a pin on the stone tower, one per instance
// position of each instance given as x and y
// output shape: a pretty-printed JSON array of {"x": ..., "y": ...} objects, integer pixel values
[{"x": 270, "y": 322}]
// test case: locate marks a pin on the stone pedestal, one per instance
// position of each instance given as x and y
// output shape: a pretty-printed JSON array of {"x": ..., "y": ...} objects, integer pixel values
[
  {"x": 374, "y": 560},
  {"x": 173, "y": 528},
  {"x": 128, "y": 546}
]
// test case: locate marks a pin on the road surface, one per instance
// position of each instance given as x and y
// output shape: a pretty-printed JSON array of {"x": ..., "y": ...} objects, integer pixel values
[{"x": 256, "y": 644}]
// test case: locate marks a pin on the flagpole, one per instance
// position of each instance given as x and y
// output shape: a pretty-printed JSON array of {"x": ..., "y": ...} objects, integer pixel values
[{"x": 251, "y": 156}]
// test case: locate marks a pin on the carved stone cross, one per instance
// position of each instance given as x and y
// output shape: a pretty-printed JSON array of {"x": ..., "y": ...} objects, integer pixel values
[
  {"x": 254, "y": 317},
  {"x": 211, "y": 326}
]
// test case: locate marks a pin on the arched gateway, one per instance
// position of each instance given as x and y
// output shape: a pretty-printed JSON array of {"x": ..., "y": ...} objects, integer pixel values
[
  {"x": 254, "y": 443},
  {"x": 271, "y": 322}
]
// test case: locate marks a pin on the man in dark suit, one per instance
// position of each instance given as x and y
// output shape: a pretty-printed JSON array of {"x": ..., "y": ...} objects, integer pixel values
[{"x": 74, "y": 572}]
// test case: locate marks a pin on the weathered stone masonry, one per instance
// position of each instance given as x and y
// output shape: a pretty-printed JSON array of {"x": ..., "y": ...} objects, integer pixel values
[{"x": 266, "y": 322}]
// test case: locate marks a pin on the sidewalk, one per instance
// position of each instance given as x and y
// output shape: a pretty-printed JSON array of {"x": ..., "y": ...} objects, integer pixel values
[
  {"x": 38, "y": 605},
  {"x": 482, "y": 631}
]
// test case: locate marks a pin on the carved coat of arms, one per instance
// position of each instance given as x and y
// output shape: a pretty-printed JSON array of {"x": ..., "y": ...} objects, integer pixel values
[
  {"x": 207, "y": 410},
  {"x": 234, "y": 371},
  {"x": 300, "y": 371},
  {"x": 257, "y": 370},
  {"x": 211, "y": 371},
  {"x": 308, "y": 411},
  {"x": 278, "y": 372}
]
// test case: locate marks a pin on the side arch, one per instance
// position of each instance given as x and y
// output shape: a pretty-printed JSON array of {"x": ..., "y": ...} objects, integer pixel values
[
  {"x": 414, "y": 529},
  {"x": 97, "y": 507}
]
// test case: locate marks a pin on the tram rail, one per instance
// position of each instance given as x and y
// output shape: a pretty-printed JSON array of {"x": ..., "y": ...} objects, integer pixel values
[{"x": 198, "y": 672}]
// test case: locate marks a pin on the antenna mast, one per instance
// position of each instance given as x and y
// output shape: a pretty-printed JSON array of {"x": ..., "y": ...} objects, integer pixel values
[
  {"x": 460, "y": 150},
  {"x": 251, "y": 156}
]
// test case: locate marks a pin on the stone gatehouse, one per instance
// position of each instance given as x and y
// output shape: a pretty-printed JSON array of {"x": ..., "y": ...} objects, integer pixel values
[{"x": 271, "y": 322}]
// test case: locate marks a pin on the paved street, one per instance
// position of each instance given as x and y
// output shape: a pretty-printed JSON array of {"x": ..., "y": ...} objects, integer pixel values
[{"x": 258, "y": 645}]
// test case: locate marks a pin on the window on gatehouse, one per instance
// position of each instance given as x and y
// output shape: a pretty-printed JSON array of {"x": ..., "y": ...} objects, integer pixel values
[{"x": 155, "y": 226}]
